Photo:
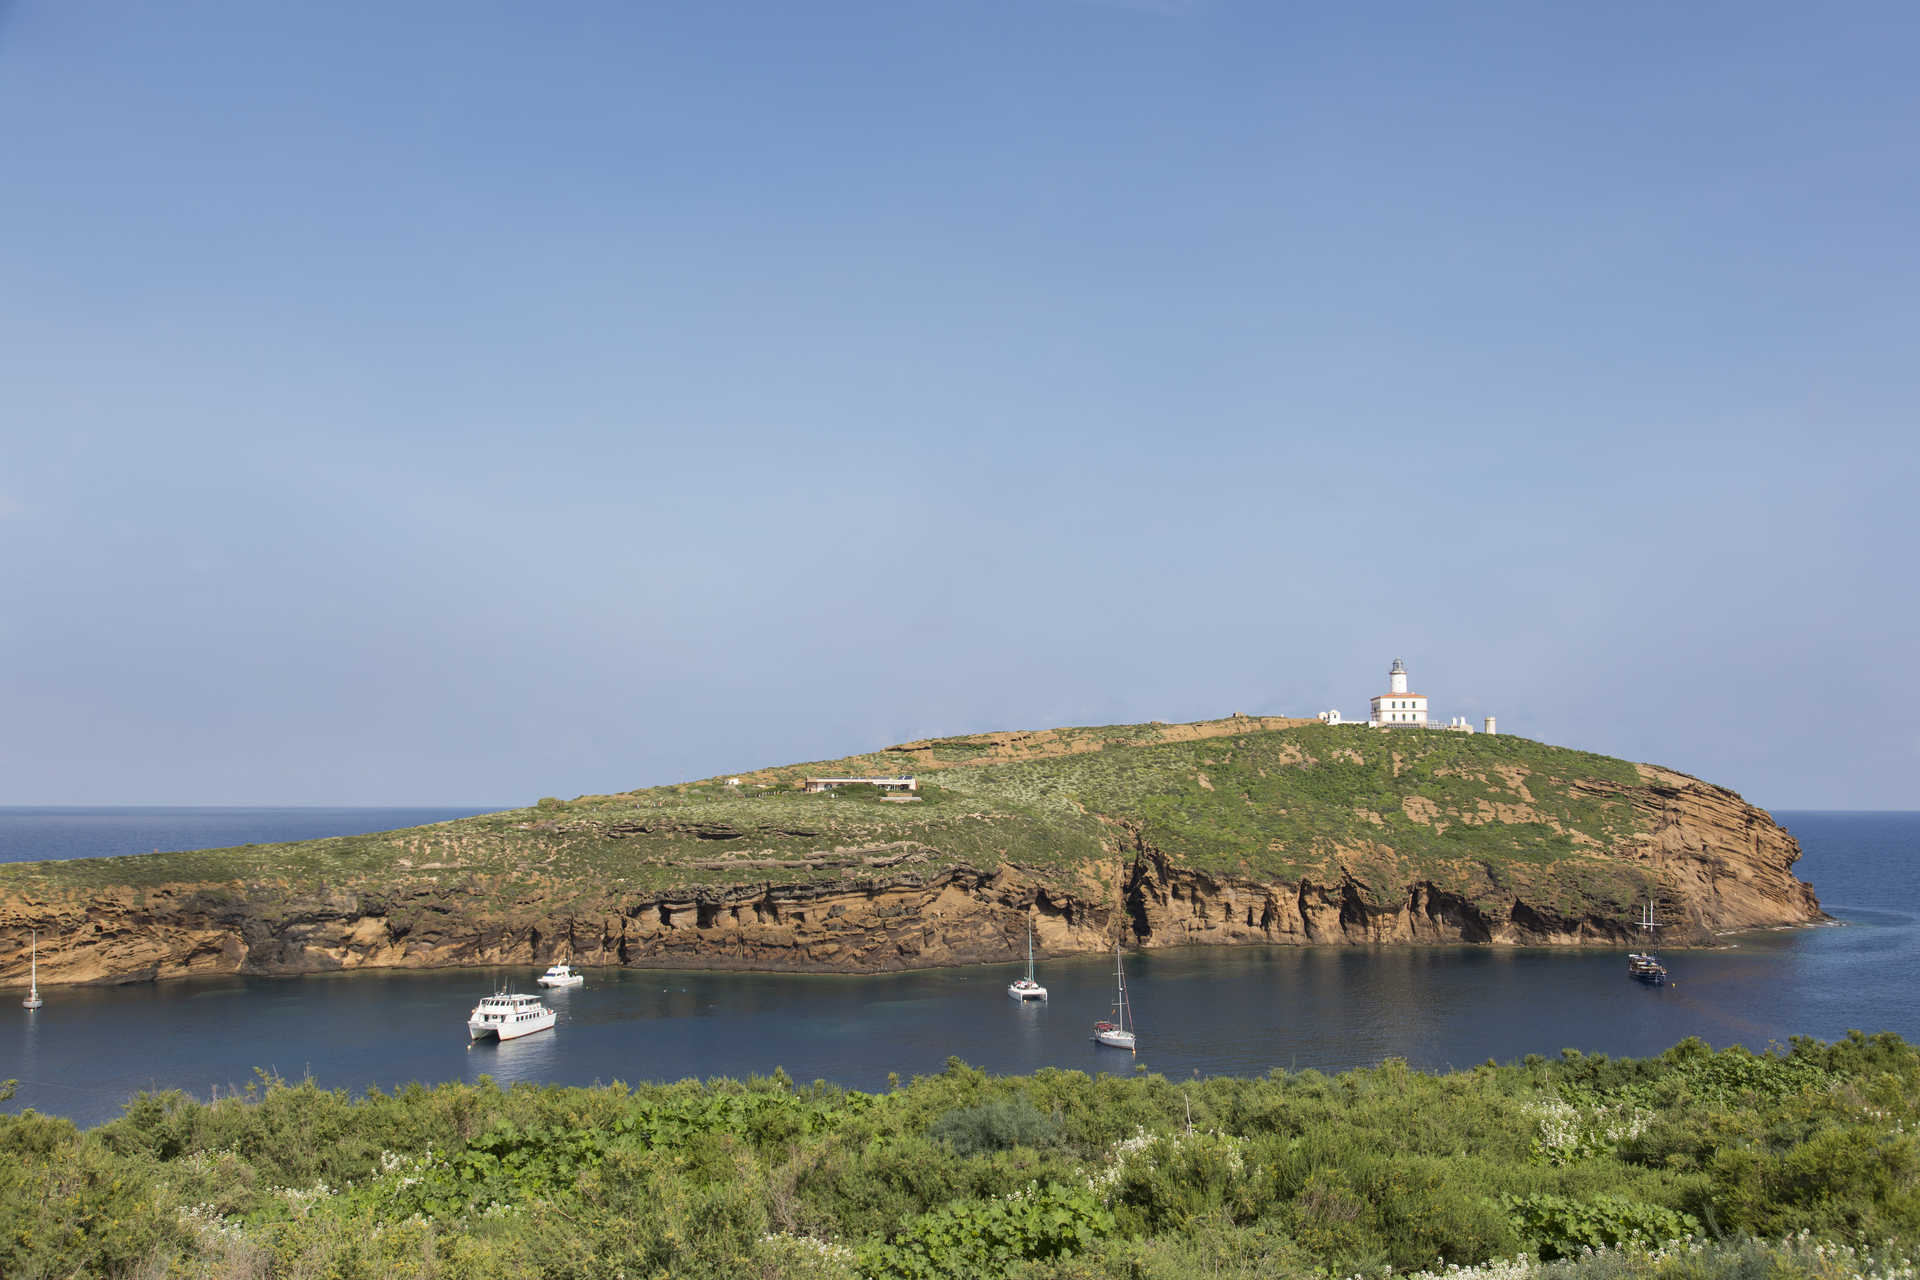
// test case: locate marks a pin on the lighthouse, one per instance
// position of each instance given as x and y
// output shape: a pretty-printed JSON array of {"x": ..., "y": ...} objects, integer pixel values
[{"x": 1397, "y": 708}]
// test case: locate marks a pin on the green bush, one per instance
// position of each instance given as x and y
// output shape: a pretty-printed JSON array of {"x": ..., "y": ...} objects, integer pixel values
[
  {"x": 986, "y": 1238},
  {"x": 1167, "y": 1183},
  {"x": 994, "y": 1126},
  {"x": 1556, "y": 1227}
]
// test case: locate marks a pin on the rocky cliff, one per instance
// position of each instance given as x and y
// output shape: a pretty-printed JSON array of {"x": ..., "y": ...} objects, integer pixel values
[{"x": 1226, "y": 832}]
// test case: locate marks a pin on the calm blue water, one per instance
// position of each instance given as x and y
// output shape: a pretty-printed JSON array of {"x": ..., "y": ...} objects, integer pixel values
[
  {"x": 1241, "y": 1011},
  {"x": 30, "y": 834}
]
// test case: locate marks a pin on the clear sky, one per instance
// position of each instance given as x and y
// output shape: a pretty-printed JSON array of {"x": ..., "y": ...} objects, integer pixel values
[{"x": 474, "y": 402}]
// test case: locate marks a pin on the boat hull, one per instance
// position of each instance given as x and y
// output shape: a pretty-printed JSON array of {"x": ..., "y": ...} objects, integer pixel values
[
  {"x": 1115, "y": 1039},
  {"x": 1644, "y": 968},
  {"x": 477, "y": 1030},
  {"x": 508, "y": 1016},
  {"x": 573, "y": 981},
  {"x": 1024, "y": 992}
]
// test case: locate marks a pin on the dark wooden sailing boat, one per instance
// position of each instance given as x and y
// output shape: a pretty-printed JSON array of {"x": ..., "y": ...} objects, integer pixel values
[{"x": 1641, "y": 966}]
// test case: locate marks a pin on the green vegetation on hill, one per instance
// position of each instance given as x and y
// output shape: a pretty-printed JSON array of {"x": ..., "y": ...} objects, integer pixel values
[
  {"x": 1271, "y": 804},
  {"x": 962, "y": 1174},
  {"x": 1278, "y": 804}
]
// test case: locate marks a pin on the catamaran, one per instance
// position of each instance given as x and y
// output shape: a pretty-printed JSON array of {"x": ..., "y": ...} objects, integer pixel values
[
  {"x": 1117, "y": 1032},
  {"x": 33, "y": 1000},
  {"x": 1024, "y": 989},
  {"x": 560, "y": 975},
  {"x": 508, "y": 1017}
]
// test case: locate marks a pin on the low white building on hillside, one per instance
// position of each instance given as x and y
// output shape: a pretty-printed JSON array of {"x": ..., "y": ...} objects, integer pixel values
[{"x": 906, "y": 782}]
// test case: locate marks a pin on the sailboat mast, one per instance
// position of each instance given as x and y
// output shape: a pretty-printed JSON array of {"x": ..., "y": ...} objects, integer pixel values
[{"x": 33, "y": 982}]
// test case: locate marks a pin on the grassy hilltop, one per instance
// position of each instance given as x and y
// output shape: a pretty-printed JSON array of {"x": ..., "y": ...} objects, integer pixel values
[{"x": 1264, "y": 803}]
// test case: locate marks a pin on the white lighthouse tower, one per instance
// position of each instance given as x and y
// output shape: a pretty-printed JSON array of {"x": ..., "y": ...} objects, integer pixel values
[{"x": 1397, "y": 708}]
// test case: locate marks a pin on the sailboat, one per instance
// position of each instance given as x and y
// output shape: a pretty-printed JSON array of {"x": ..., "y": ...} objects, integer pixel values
[
  {"x": 1642, "y": 967},
  {"x": 33, "y": 1000},
  {"x": 1117, "y": 1033},
  {"x": 1025, "y": 989}
]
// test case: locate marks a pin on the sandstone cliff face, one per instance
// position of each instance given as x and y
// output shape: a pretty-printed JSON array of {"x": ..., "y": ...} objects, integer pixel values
[
  {"x": 1713, "y": 863},
  {"x": 957, "y": 916},
  {"x": 1716, "y": 864}
]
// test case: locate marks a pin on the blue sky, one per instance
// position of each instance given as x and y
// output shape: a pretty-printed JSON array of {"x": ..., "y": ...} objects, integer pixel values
[{"x": 468, "y": 403}]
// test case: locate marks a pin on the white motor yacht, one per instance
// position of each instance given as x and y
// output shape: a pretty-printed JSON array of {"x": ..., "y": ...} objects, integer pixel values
[
  {"x": 508, "y": 1017},
  {"x": 560, "y": 975},
  {"x": 1024, "y": 989}
]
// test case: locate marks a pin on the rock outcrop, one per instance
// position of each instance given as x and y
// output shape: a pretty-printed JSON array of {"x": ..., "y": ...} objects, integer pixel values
[
  {"x": 957, "y": 916},
  {"x": 1714, "y": 863}
]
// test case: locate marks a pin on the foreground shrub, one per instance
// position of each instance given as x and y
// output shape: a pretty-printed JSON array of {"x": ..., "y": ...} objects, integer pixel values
[
  {"x": 1557, "y": 1227},
  {"x": 1166, "y": 1182},
  {"x": 994, "y": 1126},
  {"x": 962, "y": 1173},
  {"x": 986, "y": 1238},
  {"x": 1798, "y": 1257}
]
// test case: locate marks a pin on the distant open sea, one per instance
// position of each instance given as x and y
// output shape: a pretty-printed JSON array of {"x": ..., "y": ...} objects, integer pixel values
[
  {"x": 1206, "y": 1011},
  {"x": 33, "y": 833}
]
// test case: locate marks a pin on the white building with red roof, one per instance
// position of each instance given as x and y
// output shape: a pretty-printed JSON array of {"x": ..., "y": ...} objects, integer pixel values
[{"x": 1397, "y": 708}]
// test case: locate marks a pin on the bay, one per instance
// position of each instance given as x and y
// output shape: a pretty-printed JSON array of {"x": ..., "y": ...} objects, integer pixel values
[{"x": 1238, "y": 1011}]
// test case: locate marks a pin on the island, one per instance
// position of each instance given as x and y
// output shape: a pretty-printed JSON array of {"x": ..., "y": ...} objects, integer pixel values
[{"x": 1244, "y": 830}]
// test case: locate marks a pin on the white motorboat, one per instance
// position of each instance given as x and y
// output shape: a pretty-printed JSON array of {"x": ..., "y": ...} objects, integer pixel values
[
  {"x": 1117, "y": 1032},
  {"x": 1024, "y": 989},
  {"x": 33, "y": 1000},
  {"x": 508, "y": 1017},
  {"x": 560, "y": 975}
]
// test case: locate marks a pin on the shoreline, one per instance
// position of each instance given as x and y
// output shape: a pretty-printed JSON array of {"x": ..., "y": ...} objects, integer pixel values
[{"x": 674, "y": 964}]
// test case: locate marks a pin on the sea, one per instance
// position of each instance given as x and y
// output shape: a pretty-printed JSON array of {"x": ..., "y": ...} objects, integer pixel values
[{"x": 1240, "y": 1011}]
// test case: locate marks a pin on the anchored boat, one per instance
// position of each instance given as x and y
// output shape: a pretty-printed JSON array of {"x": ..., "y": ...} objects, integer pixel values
[
  {"x": 560, "y": 975},
  {"x": 1117, "y": 1032},
  {"x": 33, "y": 1000},
  {"x": 506, "y": 1016},
  {"x": 1025, "y": 989},
  {"x": 1641, "y": 966},
  {"x": 1644, "y": 968}
]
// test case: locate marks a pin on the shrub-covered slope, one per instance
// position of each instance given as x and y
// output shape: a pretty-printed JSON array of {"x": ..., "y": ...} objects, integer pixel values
[{"x": 965, "y": 1175}]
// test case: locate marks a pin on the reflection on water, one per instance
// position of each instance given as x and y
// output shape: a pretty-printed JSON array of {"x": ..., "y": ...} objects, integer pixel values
[
  {"x": 1240, "y": 1011},
  {"x": 530, "y": 1058}
]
